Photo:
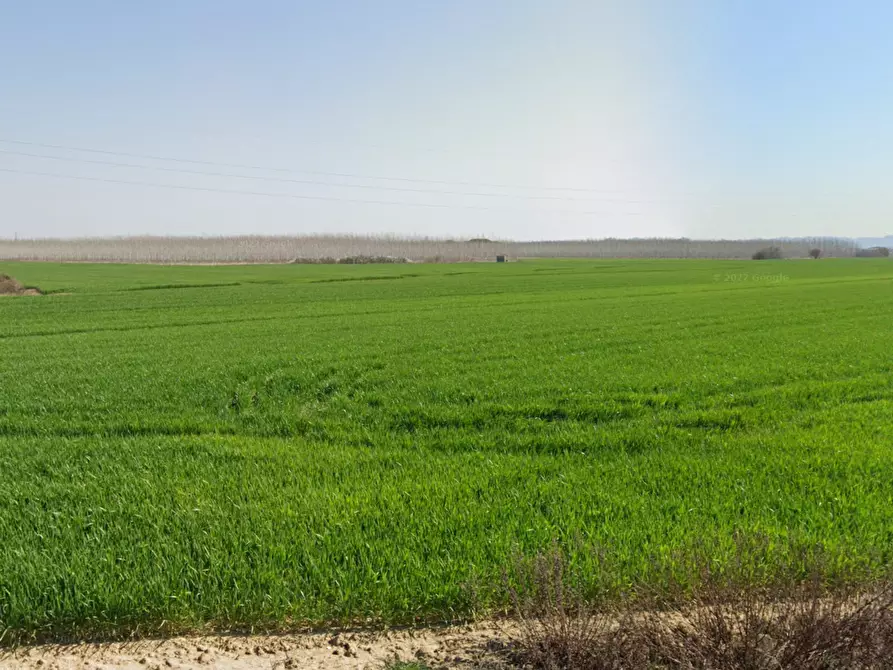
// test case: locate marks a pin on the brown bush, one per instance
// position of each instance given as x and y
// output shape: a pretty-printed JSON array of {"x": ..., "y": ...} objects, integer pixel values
[
  {"x": 10, "y": 286},
  {"x": 756, "y": 629},
  {"x": 560, "y": 630},
  {"x": 719, "y": 627}
]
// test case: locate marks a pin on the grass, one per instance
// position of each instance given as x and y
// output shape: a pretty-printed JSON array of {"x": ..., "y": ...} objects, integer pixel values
[{"x": 272, "y": 446}]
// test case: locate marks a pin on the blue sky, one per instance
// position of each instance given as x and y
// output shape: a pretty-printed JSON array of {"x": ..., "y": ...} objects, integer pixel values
[{"x": 706, "y": 118}]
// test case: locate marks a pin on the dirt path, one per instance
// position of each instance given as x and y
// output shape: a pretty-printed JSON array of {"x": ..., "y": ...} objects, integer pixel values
[{"x": 458, "y": 647}]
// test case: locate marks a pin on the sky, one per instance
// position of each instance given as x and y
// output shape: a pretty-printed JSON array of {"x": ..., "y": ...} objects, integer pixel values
[{"x": 511, "y": 119}]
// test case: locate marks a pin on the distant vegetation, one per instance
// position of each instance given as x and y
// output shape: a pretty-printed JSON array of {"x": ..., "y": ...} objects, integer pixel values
[
  {"x": 349, "y": 260},
  {"x": 327, "y": 249},
  {"x": 768, "y": 253},
  {"x": 873, "y": 252}
]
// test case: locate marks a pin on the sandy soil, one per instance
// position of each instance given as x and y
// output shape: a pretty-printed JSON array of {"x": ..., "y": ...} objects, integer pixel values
[{"x": 458, "y": 647}]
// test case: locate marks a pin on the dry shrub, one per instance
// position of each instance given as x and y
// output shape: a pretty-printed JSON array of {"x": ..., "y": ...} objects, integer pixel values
[
  {"x": 806, "y": 628},
  {"x": 719, "y": 627},
  {"x": 560, "y": 629},
  {"x": 10, "y": 286}
]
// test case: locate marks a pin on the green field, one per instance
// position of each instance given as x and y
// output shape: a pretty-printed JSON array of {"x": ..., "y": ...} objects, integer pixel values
[{"x": 277, "y": 445}]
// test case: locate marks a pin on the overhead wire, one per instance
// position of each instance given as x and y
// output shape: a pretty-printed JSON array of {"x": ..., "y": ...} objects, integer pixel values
[
  {"x": 346, "y": 175},
  {"x": 318, "y": 182},
  {"x": 305, "y": 197}
]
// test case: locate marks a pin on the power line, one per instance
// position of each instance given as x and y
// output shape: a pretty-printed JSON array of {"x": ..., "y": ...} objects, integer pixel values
[
  {"x": 347, "y": 175},
  {"x": 306, "y": 197},
  {"x": 319, "y": 182},
  {"x": 423, "y": 149}
]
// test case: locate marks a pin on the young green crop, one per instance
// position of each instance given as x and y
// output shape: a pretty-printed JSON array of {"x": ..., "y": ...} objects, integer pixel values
[{"x": 277, "y": 445}]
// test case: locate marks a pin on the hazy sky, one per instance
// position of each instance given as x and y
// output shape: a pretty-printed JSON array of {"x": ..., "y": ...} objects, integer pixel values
[{"x": 706, "y": 118}]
